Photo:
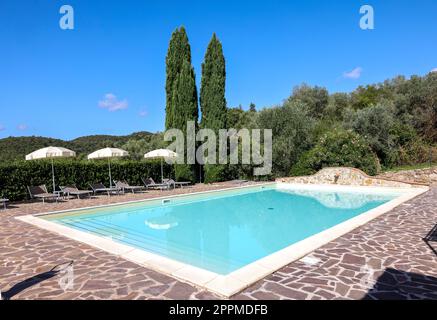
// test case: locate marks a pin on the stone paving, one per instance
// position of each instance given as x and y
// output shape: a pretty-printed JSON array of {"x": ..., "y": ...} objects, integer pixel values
[{"x": 384, "y": 259}]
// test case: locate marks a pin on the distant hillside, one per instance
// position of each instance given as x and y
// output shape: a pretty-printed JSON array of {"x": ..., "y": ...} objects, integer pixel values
[{"x": 16, "y": 148}]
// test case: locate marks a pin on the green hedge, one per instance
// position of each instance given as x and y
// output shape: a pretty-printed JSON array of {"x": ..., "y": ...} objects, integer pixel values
[{"x": 14, "y": 177}]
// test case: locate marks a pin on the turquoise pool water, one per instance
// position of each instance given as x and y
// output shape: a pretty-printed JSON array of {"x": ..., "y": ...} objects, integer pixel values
[{"x": 223, "y": 231}]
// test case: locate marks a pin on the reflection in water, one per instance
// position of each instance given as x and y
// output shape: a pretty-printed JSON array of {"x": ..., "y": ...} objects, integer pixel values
[
  {"x": 160, "y": 225},
  {"x": 339, "y": 200}
]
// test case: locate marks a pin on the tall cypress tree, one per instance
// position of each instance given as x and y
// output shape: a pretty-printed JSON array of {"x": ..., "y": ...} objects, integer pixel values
[
  {"x": 213, "y": 101},
  {"x": 184, "y": 97},
  {"x": 212, "y": 92},
  {"x": 178, "y": 51},
  {"x": 181, "y": 93}
]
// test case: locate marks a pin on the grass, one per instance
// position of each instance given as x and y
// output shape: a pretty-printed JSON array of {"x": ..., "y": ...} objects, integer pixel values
[{"x": 412, "y": 167}]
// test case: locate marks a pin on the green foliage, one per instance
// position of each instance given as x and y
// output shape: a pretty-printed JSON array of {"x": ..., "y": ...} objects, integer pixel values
[
  {"x": 212, "y": 99},
  {"x": 185, "y": 172},
  {"x": 237, "y": 118},
  {"x": 292, "y": 134},
  {"x": 374, "y": 124},
  {"x": 14, "y": 177},
  {"x": 185, "y": 109},
  {"x": 337, "y": 105},
  {"x": 181, "y": 93},
  {"x": 212, "y": 92},
  {"x": 315, "y": 99},
  {"x": 184, "y": 100},
  {"x": 338, "y": 148},
  {"x": 16, "y": 148},
  {"x": 216, "y": 173},
  {"x": 137, "y": 148},
  {"x": 178, "y": 51}
]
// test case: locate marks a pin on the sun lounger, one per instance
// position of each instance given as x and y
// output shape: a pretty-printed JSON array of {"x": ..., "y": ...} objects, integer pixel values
[
  {"x": 3, "y": 201},
  {"x": 176, "y": 183},
  {"x": 40, "y": 192},
  {"x": 124, "y": 186},
  {"x": 100, "y": 188},
  {"x": 151, "y": 184},
  {"x": 75, "y": 192}
]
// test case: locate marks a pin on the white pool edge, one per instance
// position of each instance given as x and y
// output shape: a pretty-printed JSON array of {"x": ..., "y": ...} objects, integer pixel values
[{"x": 228, "y": 285}]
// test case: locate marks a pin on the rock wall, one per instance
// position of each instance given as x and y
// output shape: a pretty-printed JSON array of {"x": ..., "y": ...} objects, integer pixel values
[
  {"x": 425, "y": 176},
  {"x": 346, "y": 176}
]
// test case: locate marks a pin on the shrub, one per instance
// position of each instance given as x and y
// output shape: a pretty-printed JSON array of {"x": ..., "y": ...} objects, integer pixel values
[
  {"x": 292, "y": 130},
  {"x": 185, "y": 172},
  {"x": 374, "y": 124},
  {"x": 216, "y": 173},
  {"x": 338, "y": 148}
]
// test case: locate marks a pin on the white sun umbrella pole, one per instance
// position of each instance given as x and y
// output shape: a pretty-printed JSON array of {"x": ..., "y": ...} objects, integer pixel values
[
  {"x": 161, "y": 154},
  {"x": 51, "y": 153},
  {"x": 108, "y": 153}
]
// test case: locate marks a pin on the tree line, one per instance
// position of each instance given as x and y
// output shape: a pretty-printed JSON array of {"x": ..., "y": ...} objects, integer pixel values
[{"x": 374, "y": 127}]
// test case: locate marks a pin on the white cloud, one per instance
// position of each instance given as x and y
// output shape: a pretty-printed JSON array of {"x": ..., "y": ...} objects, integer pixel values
[
  {"x": 434, "y": 70},
  {"x": 2, "y": 127},
  {"x": 22, "y": 127},
  {"x": 142, "y": 113},
  {"x": 354, "y": 74},
  {"x": 111, "y": 103}
]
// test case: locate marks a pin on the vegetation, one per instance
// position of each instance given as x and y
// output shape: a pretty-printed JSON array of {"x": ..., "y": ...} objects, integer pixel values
[
  {"x": 213, "y": 101},
  {"x": 375, "y": 127},
  {"x": 182, "y": 99},
  {"x": 16, "y": 148},
  {"x": 16, "y": 176},
  {"x": 178, "y": 51},
  {"x": 339, "y": 148}
]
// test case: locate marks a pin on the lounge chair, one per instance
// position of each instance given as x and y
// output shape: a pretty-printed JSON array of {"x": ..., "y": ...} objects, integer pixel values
[
  {"x": 100, "y": 188},
  {"x": 4, "y": 202},
  {"x": 40, "y": 192},
  {"x": 176, "y": 183},
  {"x": 124, "y": 186},
  {"x": 75, "y": 192},
  {"x": 151, "y": 184}
]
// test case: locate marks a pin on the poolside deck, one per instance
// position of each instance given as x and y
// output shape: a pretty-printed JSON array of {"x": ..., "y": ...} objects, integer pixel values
[{"x": 386, "y": 258}]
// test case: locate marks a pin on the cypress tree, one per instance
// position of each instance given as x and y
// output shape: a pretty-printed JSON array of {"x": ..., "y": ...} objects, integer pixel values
[
  {"x": 181, "y": 93},
  {"x": 213, "y": 101},
  {"x": 178, "y": 51},
  {"x": 184, "y": 97},
  {"x": 212, "y": 92}
]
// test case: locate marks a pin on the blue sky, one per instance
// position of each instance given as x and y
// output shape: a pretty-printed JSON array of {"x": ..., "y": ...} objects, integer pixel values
[{"x": 107, "y": 76}]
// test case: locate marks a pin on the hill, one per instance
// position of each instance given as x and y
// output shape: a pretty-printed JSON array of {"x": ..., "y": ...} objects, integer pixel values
[{"x": 15, "y": 148}]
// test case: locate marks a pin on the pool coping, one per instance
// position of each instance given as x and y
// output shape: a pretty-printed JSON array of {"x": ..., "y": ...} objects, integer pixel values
[{"x": 238, "y": 280}]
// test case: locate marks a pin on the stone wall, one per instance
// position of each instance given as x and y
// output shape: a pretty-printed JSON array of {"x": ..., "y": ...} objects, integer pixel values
[
  {"x": 346, "y": 176},
  {"x": 425, "y": 176}
]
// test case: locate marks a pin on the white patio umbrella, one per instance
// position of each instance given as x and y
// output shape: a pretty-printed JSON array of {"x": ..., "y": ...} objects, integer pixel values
[
  {"x": 108, "y": 153},
  {"x": 50, "y": 153},
  {"x": 161, "y": 154}
]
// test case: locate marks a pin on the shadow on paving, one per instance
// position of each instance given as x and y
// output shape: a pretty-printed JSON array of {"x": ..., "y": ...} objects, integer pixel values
[
  {"x": 32, "y": 281},
  {"x": 400, "y": 285}
]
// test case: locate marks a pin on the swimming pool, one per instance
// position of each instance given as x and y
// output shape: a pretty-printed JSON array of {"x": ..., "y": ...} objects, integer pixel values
[{"x": 219, "y": 234}]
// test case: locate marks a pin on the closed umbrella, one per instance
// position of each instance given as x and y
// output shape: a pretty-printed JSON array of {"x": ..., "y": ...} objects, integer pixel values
[
  {"x": 50, "y": 153},
  {"x": 161, "y": 154},
  {"x": 108, "y": 153}
]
